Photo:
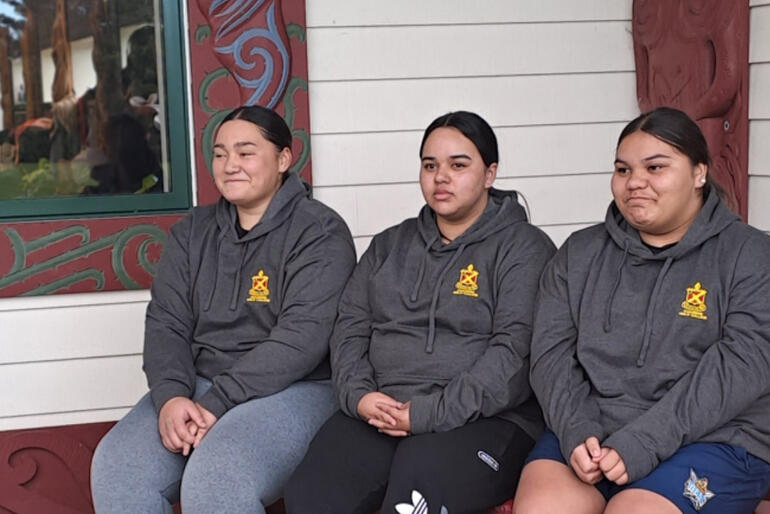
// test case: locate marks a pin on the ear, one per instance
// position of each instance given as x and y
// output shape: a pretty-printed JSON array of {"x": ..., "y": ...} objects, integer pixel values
[
  {"x": 490, "y": 175},
  {"x": 700, "y": 171},
  {"x": 284, "y": 159}
]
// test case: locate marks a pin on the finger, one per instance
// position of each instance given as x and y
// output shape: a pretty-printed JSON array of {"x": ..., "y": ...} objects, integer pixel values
[
  {"x": 593, "y": 448},
  {"x": 583, "y": 460},
  {"x": 614, "y": 473},
  {"x": 386, "y": 414},
  {"x": 195, "y": 415},
  {"x": 623, "y": 480},
  {"x": 186, "y": 449},
  {"x": 592, "y": 478},
  {"x": 609, "y": 461},
  {"x": 199, "y": 437},
  {"x": 174, "y": 443},
  {"x": 394, "y": 433},
  {"x": 378, "y": 423},
  {"x": 180, "y": 429},
  {"x": 384, "y": 398}
]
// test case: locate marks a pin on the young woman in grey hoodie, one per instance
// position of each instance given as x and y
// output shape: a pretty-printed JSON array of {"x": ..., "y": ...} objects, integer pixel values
[
  {"x": 236, "y": 339},
  {"x": 430, "y": 353},
  {"x": 651, "y": 345}
]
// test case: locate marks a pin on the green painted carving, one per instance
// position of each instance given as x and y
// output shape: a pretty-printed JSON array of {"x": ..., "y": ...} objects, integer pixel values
[
  {"x": 297, "y": 31},
  {"x": 202, "y": 32},
  {"x": 93, "y": 274},
  {"x": 203, "y": 92},
  {"x": 120, "y": 239},
  {"x": 303, "y": 136},
  {"x": 156, "y": 235},
  {"x": 288, "y": 98}
]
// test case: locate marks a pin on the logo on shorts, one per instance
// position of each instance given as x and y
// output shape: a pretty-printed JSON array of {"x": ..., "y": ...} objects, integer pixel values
[
  {"x": 697, "y": 490},
  {"x": 259, "y": 291},
  {"x": 418, "y": 506},
  {"x": 694, "y": 304},
  {"x": 468, "y": 283}
]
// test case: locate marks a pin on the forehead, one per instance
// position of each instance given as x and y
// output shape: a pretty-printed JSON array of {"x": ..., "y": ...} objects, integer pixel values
[
  {"x": 640, "y": 145},
  {"x": 238, "y": 130},
  {"x": 448, "y": 140}
]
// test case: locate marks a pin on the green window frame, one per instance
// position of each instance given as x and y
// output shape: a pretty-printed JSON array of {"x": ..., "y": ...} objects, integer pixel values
[{"x": 179, "y": 198}]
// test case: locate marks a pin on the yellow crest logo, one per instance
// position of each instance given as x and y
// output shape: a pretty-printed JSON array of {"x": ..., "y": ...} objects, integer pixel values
[
  {"x": 694, "y": 304},
  {"x": 259, "y": 291},
  {"x": 468, "y": 283}
]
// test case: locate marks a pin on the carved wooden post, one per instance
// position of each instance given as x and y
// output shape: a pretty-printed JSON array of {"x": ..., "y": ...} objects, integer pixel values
[
  {"x": 30, "y": 57},
  {"x": 106, "y": 58},
  {"x": 694, "y": 55},
  {"x": 62, "y": 80},
  {"x": 6, "y": 80}
]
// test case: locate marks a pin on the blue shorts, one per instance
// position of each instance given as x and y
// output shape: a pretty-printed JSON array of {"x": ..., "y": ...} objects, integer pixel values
[{"x": 737, "y": 479}]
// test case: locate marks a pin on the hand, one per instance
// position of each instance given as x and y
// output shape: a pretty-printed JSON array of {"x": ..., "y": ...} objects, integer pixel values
[
  {"x": 402, "y": 426},
  {"x": 370, "y": 408},
  {"x": 173, "y": 424},
  {"x": 613, "y": 467},
  {"x": 585, "y": 459},
  {"x": 208, "y": 421}
]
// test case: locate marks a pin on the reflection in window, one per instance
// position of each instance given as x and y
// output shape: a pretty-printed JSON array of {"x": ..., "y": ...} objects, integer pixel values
[{"x": 83, "y": 109}]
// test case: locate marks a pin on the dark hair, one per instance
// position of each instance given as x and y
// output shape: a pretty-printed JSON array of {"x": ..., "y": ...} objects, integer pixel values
[
  {"x": 472, "y": 126},
  {"x": 272, "y": 126}
]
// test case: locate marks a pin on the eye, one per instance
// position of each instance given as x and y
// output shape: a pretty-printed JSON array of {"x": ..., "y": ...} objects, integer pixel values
[
  {"x": 459, "y": 165},
  {"x": 621, "y": 170},
  {"x": 429, "y": 166},
  {"x": 218, "y": 155},
  {"x": 655, "y": 167}
]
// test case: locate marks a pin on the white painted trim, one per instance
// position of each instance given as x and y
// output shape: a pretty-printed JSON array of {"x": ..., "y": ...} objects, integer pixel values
[
  {"x": 188, "y": 90},
  {"x": 74, "y": 300},
  {"x": 62, "y": 418}
]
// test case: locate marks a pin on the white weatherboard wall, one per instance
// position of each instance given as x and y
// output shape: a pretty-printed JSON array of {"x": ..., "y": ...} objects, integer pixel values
[
  {"x": 759, "y": 115},
  {"x": 555, "y": 78}
]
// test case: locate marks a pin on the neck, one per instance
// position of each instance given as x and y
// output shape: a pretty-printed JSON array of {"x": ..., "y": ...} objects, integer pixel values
[
  {"x": 673, "y": 235},
  {"x": 247, "y": 218}
]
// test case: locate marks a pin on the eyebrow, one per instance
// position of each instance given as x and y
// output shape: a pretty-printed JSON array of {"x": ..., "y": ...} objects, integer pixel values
[
  {"x": 458, "y": 156},
  {"x": 646, "y": 159},
  {"x": 239, "y": 144}
]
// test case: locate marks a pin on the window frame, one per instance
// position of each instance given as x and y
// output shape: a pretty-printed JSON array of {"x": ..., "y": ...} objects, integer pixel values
[{"x": 177, "y": 115}]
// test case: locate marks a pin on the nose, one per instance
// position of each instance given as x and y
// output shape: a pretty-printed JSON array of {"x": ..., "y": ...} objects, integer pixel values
[
  {"x": 637, "y": 179},
  {"x": 441, "y": 175},
  {"x": 231, "y": 164}
]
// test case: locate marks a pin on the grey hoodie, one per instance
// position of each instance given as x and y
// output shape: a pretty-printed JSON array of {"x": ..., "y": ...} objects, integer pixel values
[
  {"x": 251, "y": 313},
  {"x": 445, "y": 326},
  {"x": 650, "y": 352}
]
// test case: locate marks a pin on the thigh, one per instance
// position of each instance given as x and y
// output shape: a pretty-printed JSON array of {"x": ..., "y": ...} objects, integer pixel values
[
  {"x": 468, "y": 469},
  {"x": 130, "y": 463},
  {"x": 252, "y": 449},
  {"x": 344, "y": 471},
  {"x": 709, "y": 478}
]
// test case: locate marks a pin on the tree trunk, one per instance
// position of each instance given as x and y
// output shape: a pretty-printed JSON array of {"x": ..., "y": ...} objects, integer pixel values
[
  {"x": 63, "y": 86},
  {"x": 30, "y": 57},
  {"x": 6, "y": 80},
  {"x": 106, "y": 58}
]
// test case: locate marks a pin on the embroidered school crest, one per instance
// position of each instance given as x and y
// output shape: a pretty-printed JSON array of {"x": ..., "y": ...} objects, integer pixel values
[
  {"x": 697, "y": 490},
  {"x": 468, "y": 283},
  {"x": 694, "y": 304},
  {"x": 259, "y": 291}
]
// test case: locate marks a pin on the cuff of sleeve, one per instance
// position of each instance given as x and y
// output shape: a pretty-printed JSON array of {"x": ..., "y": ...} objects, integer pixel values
[
  {"x": 421, "y": 409},
  {"x": 163, "y": 392},
  {"x": 638, "y": 460},
  {"x": 350, "y": 405},
  {"x": 215, "y": 402},
  {"x": 576, "y": 436}
]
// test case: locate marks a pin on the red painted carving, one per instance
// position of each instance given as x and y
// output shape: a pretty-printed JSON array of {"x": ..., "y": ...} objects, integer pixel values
[
  {"x": 694, "y": 55},
  {"x": 215, "y": 44},
  {"x": 47, "y": 470}
]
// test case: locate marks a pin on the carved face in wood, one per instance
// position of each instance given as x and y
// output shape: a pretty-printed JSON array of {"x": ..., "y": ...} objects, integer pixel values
[{"x": 656, "y": 188}]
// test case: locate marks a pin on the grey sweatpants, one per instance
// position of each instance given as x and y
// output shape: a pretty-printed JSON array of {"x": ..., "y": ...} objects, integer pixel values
[{"x": 240, "y": 466}]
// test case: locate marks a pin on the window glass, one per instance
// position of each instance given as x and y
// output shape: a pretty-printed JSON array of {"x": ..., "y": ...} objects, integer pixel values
[{"x": 85, "y": 110}]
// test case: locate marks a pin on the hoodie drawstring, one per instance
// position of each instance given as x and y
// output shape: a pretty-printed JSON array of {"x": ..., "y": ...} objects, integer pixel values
[
  {"x": 650, "y": 308},
  {"x": 608, "y": 313},
  {"x": 421, "y": 271},
  {"x": 210, "y": 299},
  {"x": 434, "y": 300},
  {"x": 237, "y": 288}
]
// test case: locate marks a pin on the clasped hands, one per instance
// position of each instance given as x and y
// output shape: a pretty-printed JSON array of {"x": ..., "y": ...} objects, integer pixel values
[
  {"x": 182, "y": 423},
  {"x": 387, "y": 414},
  {"x": 590, "y": 462}
]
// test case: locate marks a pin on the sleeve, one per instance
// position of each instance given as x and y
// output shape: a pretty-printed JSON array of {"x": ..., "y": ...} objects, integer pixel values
[
  {"x": 499, "y": 379},
  {"x": 352, "y": 373},
  {"x": 167, "y": 356},
  {"x": 729, "y": 377},
  {"x": 299, "y": 341},
  {"x": 558, "y": 380}
]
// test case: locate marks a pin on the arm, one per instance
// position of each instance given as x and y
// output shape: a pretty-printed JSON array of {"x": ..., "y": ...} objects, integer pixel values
[
  {"x": 298, "y": 342},
  {"x": 499, "y": 379},
  {"x": 352, "y": 373},
  {"x": 167, "y": 359},
  {"x": 729, "y": 377},
  {"x": 557, "y": 377}
]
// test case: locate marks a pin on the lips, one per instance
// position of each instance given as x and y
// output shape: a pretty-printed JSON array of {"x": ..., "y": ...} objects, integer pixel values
[{"x": 441, "y": 195}]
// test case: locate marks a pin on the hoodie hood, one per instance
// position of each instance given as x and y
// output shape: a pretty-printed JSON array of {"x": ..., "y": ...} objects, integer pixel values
[
  {"x": 502, "y": 211},
  {"x": 278, "y": 211},
  {"x": 713, "y": 218}
]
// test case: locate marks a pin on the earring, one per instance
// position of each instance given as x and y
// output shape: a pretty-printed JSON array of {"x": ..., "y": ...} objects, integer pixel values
[{"x": 702, "y": 180}]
